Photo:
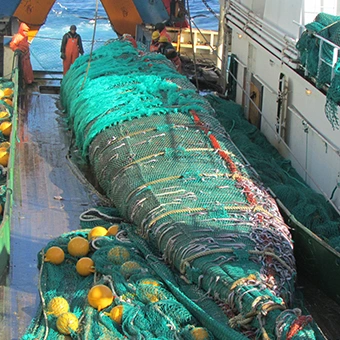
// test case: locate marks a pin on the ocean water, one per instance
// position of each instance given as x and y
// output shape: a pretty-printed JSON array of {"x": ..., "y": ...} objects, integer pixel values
[{"x": 45, "y": 48}]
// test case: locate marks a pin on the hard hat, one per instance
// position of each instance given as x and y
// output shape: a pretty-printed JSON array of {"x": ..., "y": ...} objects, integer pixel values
[
  {"x": 155, "y": 35},
  {"x": 163, "y": 39}
]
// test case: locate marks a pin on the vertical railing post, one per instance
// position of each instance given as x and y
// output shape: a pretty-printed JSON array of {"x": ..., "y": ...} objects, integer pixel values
[
  {"x": 335, "y": 60},
  {"x": 320, "y": 57}
]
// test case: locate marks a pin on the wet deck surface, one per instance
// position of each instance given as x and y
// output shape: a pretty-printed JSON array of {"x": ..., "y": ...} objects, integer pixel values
[{"x": 42, "y": 173}]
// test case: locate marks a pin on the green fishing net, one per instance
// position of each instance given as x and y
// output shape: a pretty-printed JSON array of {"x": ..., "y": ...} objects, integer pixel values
[
  {"x": 317, "y": 66},
  {"x": 196, "y": 218}
]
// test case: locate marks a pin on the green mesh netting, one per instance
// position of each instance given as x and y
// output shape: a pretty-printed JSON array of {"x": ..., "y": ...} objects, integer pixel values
[
  {"x": 327, "y": 26},
  {"x": 277, "y": 173},
  {"x": 194, "y": 206},
  {"x": 151, "y": 297}
]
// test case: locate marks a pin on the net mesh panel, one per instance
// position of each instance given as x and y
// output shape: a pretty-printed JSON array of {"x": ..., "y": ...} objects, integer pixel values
[
  {"x": 200, "y": 223},
  {"x": 327, "y": 26}
]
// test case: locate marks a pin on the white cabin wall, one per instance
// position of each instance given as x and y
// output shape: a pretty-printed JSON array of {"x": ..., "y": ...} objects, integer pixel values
[
  {"x": 241, "y": 50},
  {"x": 308, "y": 149},
  {"x": 277, "y": 12},
  {"x": 282, "y": 13}
]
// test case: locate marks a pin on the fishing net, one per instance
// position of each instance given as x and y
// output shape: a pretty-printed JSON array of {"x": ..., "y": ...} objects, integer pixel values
[
  {"x": 199, "y": 222},
  {"x": 149, "y": 309},
  {"x": 277, "y": 173},
  {"x": 318, "y": 64}
]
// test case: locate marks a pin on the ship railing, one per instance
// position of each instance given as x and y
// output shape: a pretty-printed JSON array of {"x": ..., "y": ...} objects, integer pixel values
[
  {"x": 276, "y": 41},
  {"x": 277, "y": 133},
  {"x": 5, "y": 225},
  {"x": 321, "y": 42}
]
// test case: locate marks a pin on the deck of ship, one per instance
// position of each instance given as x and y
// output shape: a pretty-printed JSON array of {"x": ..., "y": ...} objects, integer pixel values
[{"x": 43, "y": 175}]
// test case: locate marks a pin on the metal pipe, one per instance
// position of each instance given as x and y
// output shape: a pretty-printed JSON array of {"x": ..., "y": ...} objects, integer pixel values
[
  {"x": 221, "y": 33},
  {"x": 250, "y": 13},
  {"x": 268, "y": 31},
  {"x": 274, "y": 41},
  {"x": 283, "y": 58},
  {"x": 265, "y": 84},
  {"x": 297, "y": 113},
  {"x": 335, "y": 60}
]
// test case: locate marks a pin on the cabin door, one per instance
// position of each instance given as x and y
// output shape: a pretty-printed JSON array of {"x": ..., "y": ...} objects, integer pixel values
[{"x": 254, "y": 116}]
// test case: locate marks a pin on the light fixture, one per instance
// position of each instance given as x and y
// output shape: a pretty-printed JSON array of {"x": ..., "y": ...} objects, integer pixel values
[
  {"x": 239, "y": 35},
  {"x": 308, "y": 92}
]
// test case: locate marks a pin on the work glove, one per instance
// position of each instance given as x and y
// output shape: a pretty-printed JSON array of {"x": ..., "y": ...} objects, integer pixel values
[{"x": 63, "y": 56}]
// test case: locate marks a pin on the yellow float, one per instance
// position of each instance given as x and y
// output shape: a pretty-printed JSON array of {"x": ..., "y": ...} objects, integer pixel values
[
  {"x": 57, "y": 306},
  {"x": 54, "y": 255},
  {"x": 118, "y": 255},
  {"x": 113, "y": 230},
  {"x": 149, "y": 282},
  {"x": 6, "y": 128},
  {"x": 8, "y": 101},
  {"x": 116, "y": 314},
  {"x": 100, "y": 297},
  {"x": 4, "y": 114},
  {"x": 85, "y": 266},
  {"x": 4, "y": 157},
  {"x": 67, "y": 323},
  {"x": 78, "y": 246},
  {"x": 199, "y": 333},
  {"x": 98, "y": 231},
  {"x": 129, "y": 268}
]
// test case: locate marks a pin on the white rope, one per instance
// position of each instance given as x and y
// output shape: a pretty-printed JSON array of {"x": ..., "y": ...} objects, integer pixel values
[
  {"x": 91, "y": 216},
  {"x": 41, "y": 294}
]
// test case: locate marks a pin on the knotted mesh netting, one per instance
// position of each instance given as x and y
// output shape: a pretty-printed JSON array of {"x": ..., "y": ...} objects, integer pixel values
[
  {"x": 199, "y": 223},
  {"x": 318, "y": 65}
]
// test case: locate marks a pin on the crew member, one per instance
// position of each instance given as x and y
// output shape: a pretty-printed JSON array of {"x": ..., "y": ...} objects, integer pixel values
[
  {"x": 160, "y": 27},
  {"x": 130, "y": 38},
  {"x": 71, "y": 47},
  {"x": 20, "y": 45},
  {"x": 166, "y": 48},
  {"x": 155, "y": 41}
]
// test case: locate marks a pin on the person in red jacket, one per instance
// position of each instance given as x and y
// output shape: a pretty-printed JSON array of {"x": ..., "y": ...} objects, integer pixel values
[
  {"x": 130, "y": 38},
  {"x": 71, "y": 47},
  {"x": 20, "y": 45}
]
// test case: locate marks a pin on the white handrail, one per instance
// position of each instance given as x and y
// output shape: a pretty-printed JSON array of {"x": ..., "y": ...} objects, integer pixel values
[{"x": 336, "y": 49}]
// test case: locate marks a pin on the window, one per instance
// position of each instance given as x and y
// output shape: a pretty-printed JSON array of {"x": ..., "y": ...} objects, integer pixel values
[{"x": 314, "y": 7}]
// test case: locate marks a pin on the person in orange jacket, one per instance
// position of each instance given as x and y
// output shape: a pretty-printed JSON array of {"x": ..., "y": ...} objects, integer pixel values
[
  {"x": 20, "y": 45},
  {"x": 154, "y": 46},
  {"x": 71, "y": 47},
  {"x": 160, "y": 27}
]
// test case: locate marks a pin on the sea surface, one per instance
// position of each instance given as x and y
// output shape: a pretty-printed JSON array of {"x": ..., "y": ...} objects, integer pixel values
[{"x": 45, "y": 48}]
